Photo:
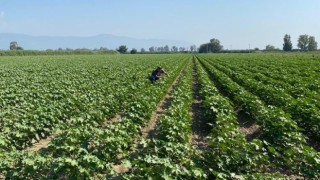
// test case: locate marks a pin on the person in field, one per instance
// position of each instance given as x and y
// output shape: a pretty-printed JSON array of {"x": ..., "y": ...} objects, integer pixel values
[{"x": 155, "y": 75}]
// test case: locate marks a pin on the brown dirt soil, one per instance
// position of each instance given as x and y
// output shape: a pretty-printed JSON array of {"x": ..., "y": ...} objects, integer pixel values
[
  {"x": 248, "y": 126},
  {"x": 115, "y": 119},
  {"x": 294, "y": 177},
  {"x": 120, "y": 169},
  {"x": 43, "y": 143},
  {"x": 200, "y": 127}
]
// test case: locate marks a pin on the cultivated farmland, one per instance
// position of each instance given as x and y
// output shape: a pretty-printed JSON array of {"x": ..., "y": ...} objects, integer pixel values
[{"x": 215, "y": 116}]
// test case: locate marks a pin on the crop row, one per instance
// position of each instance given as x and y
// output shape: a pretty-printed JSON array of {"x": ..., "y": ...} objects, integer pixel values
[
  {"x": 306, "y": 114},
  {"x": 170, "y": 154},
  {"x": 84, "y": 148},
  {"x": 265, "y": 76},
  {"x": 300, "y": 72},
  {"x": 281, "y": 135},
  {"x": 229, "y": 153}
]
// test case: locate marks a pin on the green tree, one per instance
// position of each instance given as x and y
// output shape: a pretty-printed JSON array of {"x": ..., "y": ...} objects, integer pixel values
[
  {"x": 193, "y": 48},
  {"x": 142, "y": 50},
  {"x": 13, "y": 45},
  {"x": 181, "y": 49},
  {"x": 166, "y": 48},
  {"x": 313, "y": 45},
  {"x": 287, "y": 45},
  {"x": 215, "y": 45},
  {"x": 303, "y": 42},
  {"x": 270, "y": 48},
  {"x": 122, "y": 49},
  {"x": 204, "y": 48},
  {"x": 133, "y": 51},
  {"x": 174, "y": 49},
  {"x": 152, "y": 49}
]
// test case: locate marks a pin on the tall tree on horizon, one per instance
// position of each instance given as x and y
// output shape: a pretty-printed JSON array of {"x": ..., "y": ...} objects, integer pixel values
[
  {"x": 212, "y": 47},
  {"x": 166, "y": 48},
  {"x": 122, "y": 49},
  {"x": 287, "y": 45},
  {"x": 13, "y": 45},
  {"x": 270, "y": 48},
  {"x": 152, "y": 49},
  {"x": 303, "y": 42},
  {"x": 174, "y": 49},
  {"x": 313, "y": 45},
  {"x": 307, "y": 43},
  {"x": 215, "y": 45}
]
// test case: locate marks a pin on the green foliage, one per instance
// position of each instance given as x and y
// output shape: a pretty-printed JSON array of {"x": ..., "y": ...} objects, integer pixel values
[
  {"x": 133, "y": 51},
  {"x": 122, "y": 49},
  {"x": 73, "y": 97},
  {"x": 283, "y": 138},
  {"x": 270, "y": 48},
  {"x": 55, "y": 52},
  {"x": 212, "y": 47},
  {"x": 171, "y": 155},
  {"x": 313, "y": 45},
  {"x": 307, "y": 43},
  {"x": 287, "y": 45}
]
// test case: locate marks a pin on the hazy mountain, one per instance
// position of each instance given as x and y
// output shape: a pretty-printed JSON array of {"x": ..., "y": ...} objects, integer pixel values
[{"x": 91, "y": 42}]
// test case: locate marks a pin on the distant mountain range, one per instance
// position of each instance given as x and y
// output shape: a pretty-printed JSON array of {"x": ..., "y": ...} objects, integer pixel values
[{"x": 90, "y": 42}]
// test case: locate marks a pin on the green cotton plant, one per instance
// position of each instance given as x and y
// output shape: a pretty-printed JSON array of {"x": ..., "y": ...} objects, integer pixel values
[
  {"x": 178, "y": 165},
  {"x": 230, "y": 152},
  {"x": 303, "y": 112},
  {"x": 171, "y": 155},
  {"x": 75, "y": 99},
  {"x": 279, "y": 130}
]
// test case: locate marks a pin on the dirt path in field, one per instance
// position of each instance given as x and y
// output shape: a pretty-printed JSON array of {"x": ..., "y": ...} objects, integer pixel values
[
  {"x": 149, "y": 131},
  {"x": 247, "y": 125},
  {"x": 200, "y": 127}
]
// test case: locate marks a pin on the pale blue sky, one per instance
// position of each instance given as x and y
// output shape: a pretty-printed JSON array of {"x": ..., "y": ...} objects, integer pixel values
[{"x": 236, "y": 23}]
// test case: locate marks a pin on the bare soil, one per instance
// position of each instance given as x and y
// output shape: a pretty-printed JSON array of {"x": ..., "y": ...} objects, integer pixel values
[
  {"x": 43, "y": 143},
  {"x": 200, "y": 127},
  {"x": 115, "y": 119},
  {"x": 248, "y": 126},
  {"x": 120, "y": 169}
]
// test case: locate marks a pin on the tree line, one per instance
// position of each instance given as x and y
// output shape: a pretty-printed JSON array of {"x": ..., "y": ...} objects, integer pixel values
[
  {"x": 162, "y": 49},
  {"x": 305, "y": 43},
  {"x": 121, "y": 49}
]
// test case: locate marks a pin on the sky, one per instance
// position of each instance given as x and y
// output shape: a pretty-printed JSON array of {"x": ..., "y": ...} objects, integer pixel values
[{"x": 238, "y": 24}]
